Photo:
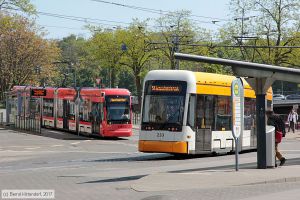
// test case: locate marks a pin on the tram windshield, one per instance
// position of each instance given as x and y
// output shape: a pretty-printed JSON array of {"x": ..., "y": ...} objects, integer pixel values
[
  {"x": 118, "y": 108},
  {"x": 164, "y": 103}
]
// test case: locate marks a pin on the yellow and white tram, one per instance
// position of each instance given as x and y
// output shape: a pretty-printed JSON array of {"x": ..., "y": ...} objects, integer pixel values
[{"x": 188, "y": 112}]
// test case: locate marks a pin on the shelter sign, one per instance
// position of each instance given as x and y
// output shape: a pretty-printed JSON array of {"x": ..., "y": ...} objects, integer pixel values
[{"x": 237, "y": 98}]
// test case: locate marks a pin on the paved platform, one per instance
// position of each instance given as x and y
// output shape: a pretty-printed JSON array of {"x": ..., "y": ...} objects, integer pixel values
[
  {"x": 216, "y": 179},
  {"x": 291, "y": 135},
  {"x": 208, "y": 179}
]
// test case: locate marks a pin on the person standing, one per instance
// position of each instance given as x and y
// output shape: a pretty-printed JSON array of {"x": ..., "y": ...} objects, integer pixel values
[
  {"x": 277, "y": 122},
  {"x": 292, "y": 119}
]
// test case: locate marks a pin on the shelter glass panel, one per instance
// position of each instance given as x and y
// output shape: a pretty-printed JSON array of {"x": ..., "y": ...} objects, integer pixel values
[{"x": 249, "y": 113}]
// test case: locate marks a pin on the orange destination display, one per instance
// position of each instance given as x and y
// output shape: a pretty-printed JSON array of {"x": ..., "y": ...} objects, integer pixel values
[
  {"x": 118, "y": 100},
  {"x": 38, "y": 92},
  {"x": 162, "y": 88}
]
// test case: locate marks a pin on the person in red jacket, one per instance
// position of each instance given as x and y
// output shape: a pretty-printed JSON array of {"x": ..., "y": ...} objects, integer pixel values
[{"x": 277, "y": 122}]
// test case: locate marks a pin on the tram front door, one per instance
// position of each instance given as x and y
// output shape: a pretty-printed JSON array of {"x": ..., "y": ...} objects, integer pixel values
[
  {"x": 203, "y": 132},
  {"x": 66, "y": 108},
  {"x": 95, "y": 118}
]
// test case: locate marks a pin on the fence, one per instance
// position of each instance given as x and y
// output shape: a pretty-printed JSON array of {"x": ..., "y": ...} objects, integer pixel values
[
  {"x": 31, "y": 124},
  {"x": 136, "y": 118}
]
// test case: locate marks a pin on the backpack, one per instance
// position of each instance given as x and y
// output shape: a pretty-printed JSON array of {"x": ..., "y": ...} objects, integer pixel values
[
  {"x": 281, "y": 125},
  {"x": 278, "y": 123}
]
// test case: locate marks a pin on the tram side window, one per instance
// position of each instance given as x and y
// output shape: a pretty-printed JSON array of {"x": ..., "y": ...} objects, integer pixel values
[
  {"x": 191, "y": 111},
  {"x": 72, "y": 111},
  {"x": 85, "y": 111},
  {"x": 200, "y": 110},
  {"x": 48, "y": 107},
  {"x": 223, "y": 113},
  {"x": 60, "y": 110},
  {"x": 34, "y": 107},
  {"x": 249, "y": 113},
  {"x": 205, "y": 111}
]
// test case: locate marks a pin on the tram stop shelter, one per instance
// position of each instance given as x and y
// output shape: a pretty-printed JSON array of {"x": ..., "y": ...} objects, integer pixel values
[{"x": 260, "y": 77}]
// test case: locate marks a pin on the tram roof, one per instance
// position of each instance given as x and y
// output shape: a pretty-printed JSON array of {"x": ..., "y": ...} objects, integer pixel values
[
  {"x": 93, "y": 94},
  {"x": 214, "y": 83},
  {"x": 66, "y": 93},
  {"x": 216, "y": 79},
  {"x": 115, "y": 91},
  {"x": 25, "y": 90},
  {"x": 50, "y": 92}
]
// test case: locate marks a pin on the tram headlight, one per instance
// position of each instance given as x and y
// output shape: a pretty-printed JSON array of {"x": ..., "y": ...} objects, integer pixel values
[{"x": 149, "y": 128}]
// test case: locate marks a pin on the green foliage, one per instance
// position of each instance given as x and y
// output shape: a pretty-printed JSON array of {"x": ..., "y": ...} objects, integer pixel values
[
  {"x": 22, "y": 50},
  {"x": 105, "y": 47},
  {"x": 75, "y": 63},
  {"x": 122, "y": 57},
  {"x": 176, "y": 28},
  {"x": 274, "y": 25},
  {"x": 23, "y": 5},
  {"x": 126, "y": 80}
]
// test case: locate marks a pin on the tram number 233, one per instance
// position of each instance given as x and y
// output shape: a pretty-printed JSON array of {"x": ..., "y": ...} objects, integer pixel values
[{"x": 160, "y": 135}]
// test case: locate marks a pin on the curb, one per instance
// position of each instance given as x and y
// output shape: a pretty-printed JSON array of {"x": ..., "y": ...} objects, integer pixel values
[{"x": 281, "y": 180}]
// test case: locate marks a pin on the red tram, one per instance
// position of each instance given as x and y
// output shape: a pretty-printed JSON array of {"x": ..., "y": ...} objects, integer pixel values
[{"x": 105, "y": 112}]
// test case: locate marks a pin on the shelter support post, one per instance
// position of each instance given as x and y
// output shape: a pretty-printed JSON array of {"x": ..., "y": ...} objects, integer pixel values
[
  {"x": 261, "y": 86},
  {"x": 261, "y": 131}
]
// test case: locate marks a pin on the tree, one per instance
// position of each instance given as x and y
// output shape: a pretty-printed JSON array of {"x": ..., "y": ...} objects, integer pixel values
[
  {"x": 105, "y": 46},
  {"x": 280, "y": 18},
  {"x": 22, "y": 50},
  {"x": 23, "y": 5},
  {"x": 126, "y": 80},
  {"x": 137, "y": 55},
  {"x": 273, "y": 26},
  {"x": 175, "y": 29},
  {"x": 75, "y": 61},
  {"x": 177, "y": 32}
]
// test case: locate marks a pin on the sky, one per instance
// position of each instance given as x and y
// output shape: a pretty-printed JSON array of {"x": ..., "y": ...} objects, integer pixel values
[{"x": 57, "y": 28}]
